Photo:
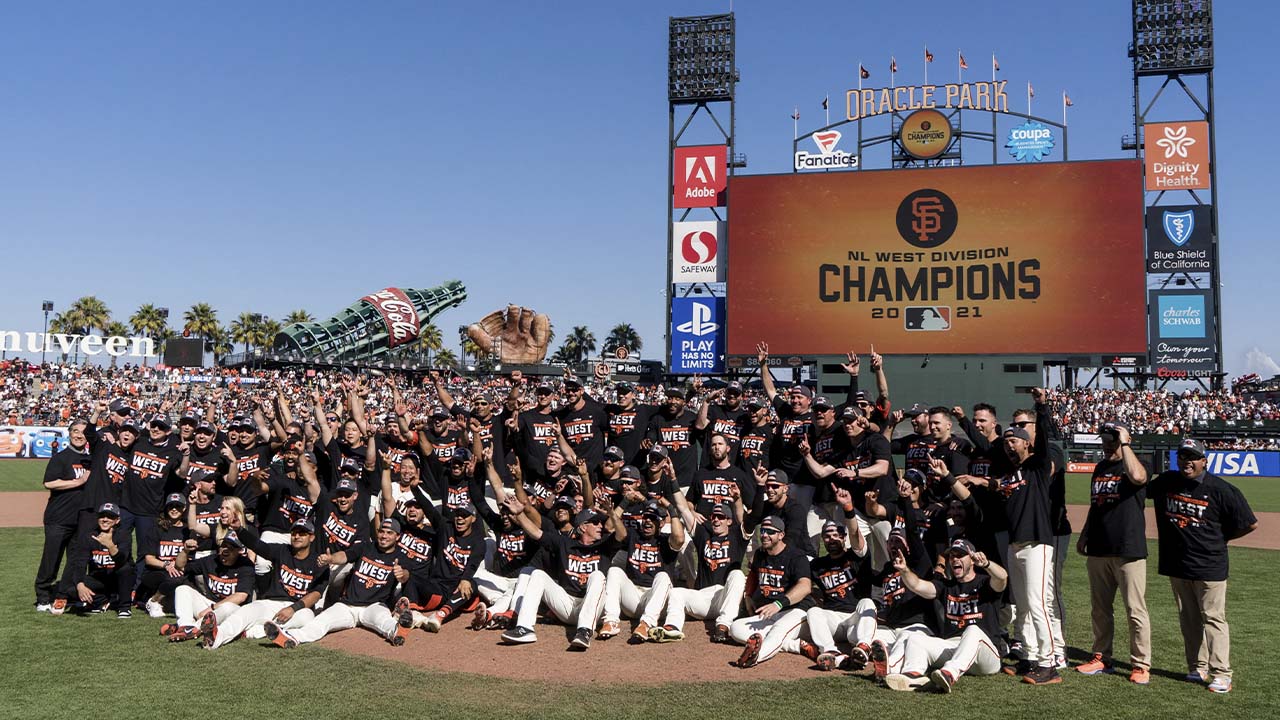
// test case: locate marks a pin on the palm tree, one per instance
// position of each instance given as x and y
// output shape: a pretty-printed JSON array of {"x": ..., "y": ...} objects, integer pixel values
[
  {"x": 149, "y": 322},
  {"x": 244, "y": 329},
  {"x": 201, "y": 321},
  {"x": 623, "y": 335},
  {"x": 267, "y": 331},
  {"x": 429, "y": 341},
  {"x": 222, "y": 346},
  {"x": 471, "y": 349},
  {"x": 299, "y": 316},
  {"x": 92, "y": 313},
  {"x": 445, "y": 358},
  {"x": 565, "y": 354},
  {"x": 584, "y": 342},
  {"x": 60, "y": 324},
  {"x": 115, "y": 327}
]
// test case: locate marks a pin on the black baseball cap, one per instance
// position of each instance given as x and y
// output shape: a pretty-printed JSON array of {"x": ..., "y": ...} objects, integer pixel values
[
  {"x": 861, "y": 396},
  {"x": 651, "y": 509},
  {"x": 204, "y": 426},
  {"x": 240, "y": 421},
  {"x": 203, "y": 476},
  {"x": 162, "y": 420},
  {"x": 572, "y": 383},
  {"x": 1017, "y": 432},
  {"x": 613, "y": 452},
  {"x": 465, "y": 508},
  {"x": 755, "y": 403},
  {"x": 822, "y": 403},
  {"x": 120, "y": 407},
  {"x": 128, "y": 424},
  {"x": 733, "y": 388},
  {"x": 189, "y": 418},
  {"x": 460, "y": 456},
  {"x": 723, "y": 509},
  {"x": 303, "y": 525},
  {"x": 625, "y": 388},
  {"x": 804, "y": 390},
  {"x": 109, "y": 509},
  {"x": 917, "y": 409},
  {"x": 833, "y": 525},
  {"x": 440, "y": 414},
  {"x": 915, "y": 477},
  {"x": 174, "y": 499},
  {"x": 630, "y": 472},
  {"x": 233, "y": 540},
  {"x": 851, "y": 413},
  {"x": 587, "y": 515},
  {"x": 564, "y": 501},
  {"x": 543, "y": 389},
  {"x": 779, "y": 476},
  {"x": 1191, "y": 447},
  {"x": 773, "y": 522},
  {"x": 391, "y": 524},
  {"x": 676, "y": 391},
  {"x": 1112, "y": 428},
  {"x": 660, "y": 450},
  {"x": 345, "y": 486},
  {"x": 960, "y": 546},
  {"x": 350, "y": 465}
]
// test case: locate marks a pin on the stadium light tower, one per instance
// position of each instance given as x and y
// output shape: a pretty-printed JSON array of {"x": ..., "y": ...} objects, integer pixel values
[
  {"x": 47, "y": 307},
  {"x": 1173, "y": 43}
]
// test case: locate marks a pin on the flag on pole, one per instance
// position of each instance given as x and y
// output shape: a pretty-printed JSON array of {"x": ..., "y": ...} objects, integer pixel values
[
  {"x": 928, "y": 56},
  {"x": 863, "y": 72},
  {"x": 796, "y": 115},
  {"x": 824, "y": 102},
  {"x": 995, "y": 64},
  {"x": 963, "y": 65},
  {"x": 1031, "y": 92},
  {"x": 1066, "y": 99},
  {"x": 893, "y": 64}
]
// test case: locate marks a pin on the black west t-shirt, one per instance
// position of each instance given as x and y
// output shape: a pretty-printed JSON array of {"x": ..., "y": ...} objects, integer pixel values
[
  {"x": 961, "y": 604},
  {"x": 773, "y": 575},
  {"x": 458, "y": 556},
  {"x": 571, "y": 562},
  {"x": 336, "y": 531},
  {"x": 712, "y": 485},
  {"x": 209, "y": 460},
  {"x": 291, "y": 579},
  {"x": 163, "y": 544},
  {"x": 1116, "y": 526},
  {"x": 835, "y": 580},
  {"x": 646, "y": 557},
  {"x": 152, "y": 475},
  {"x": 1195, "y": 520},
  {"x": 537, "y": 437},
  {"x": 248, "y": 461},
  {"x": 1027, "y": 496},
  {"x": 287, "y": 501},
  {"x": 678, "y": 435},
  {"x": 64, "y": 505},
  {"x": 718, "y": 555},
  {"x": 755, "y": 446},
  {"x": 372, "y": 580},
  {"x": 585, "y": 430},
  {"x": 218, "y": 581},
  {"x": 792, "y": 428},
  {"x": 208, "y": 514},
  {"x": 868, "y": 449},
  {"x": 628, "y": 427},
  {"x": 106, "y": 476},
  {"x": 729, "y": 423}
]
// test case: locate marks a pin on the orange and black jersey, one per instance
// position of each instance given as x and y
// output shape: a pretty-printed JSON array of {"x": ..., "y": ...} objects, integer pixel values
[
  {"x": 628, "y": 427},
  {"x": 290, "y": 578},
  {"x": 711, "y": 486},
  {"x": 773, "y": 575},
  {"x": 152, "y": 475},
  {"x": 679, "y": 436},
  {"x": 586, "y": 430},
  {"x": 961, "y": 604},
  {"x": 64, "y": 505},
  {"x": 1116, "y": 525},
  {"x": 792, "y": 428},
  {"x": 107, "y": 471},
  {"x": 217, "y": 581},
  {"x": 336, "y": 531},
  {"x": 571, "y": 562},
  {"x": 718, "y": 555},
  {"x": 535, "y": 438},
  {"x": 286, "y": 501},
  {"x": 755, "y": 445},
  {"x": 87, "y": 556},
  {"x": 646, "y": 557},
  {"x": 372, "y": 580},
  {"x": 164, "y": 544},
  {"x": 1195, "y": 519},
  {"x": 835, "y": 580},
  {"x": 248, "y": 461}
]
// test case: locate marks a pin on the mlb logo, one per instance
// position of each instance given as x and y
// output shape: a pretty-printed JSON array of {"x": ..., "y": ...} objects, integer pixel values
[{"x": 927, "y": 318}]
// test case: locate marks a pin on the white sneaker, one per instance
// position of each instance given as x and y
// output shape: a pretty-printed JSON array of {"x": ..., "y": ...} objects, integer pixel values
[
  {"x": 432, "y": 623},
  {"x": 1060, "y": 662},
  {"x": 44, "y": 607},
  {"x": 1220, "y": 685},
  {"x": 905, "y": 683},
  {"x": 155, "y": 609}
]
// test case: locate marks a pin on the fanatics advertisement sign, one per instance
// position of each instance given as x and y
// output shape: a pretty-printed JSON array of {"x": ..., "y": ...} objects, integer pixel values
[
  {"x": 700, "y": 175},
  {"x": 698, "y": 252},
  {"x": 1008, "y": 259}
]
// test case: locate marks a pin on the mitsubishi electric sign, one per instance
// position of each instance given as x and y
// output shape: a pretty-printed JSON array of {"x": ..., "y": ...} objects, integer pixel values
[{"x": 697, "y": 335}]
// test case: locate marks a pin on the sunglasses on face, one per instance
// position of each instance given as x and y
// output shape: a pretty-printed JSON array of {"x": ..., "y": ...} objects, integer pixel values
[
  {"x": 769, "y": 531},
  {"x": 1022, "y": 423},
  {"x": 774, "y": 486},
  {"x": 331, "y": 418}
]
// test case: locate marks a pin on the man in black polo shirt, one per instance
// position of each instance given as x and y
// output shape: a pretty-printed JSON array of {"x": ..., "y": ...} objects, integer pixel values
[
  {"x": 1114, "y": 542},
  {"x": 1197, "y": 513}
]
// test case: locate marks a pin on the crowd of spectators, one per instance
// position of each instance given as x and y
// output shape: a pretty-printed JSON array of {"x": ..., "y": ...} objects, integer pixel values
[{"x": 1084, "y": 410}]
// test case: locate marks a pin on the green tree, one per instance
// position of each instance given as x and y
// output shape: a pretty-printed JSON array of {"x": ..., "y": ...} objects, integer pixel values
[
  {"x": 298, "y": 316},
  {"x": 201, "y": 321},
  {"x": 445, "y": 358},
  {"x": 623, "y": 335},
  {"x": 115, "y": 327},
  {"x": 84, "y": 316},
  {"x": 244, "y": 329},
  {"x": 267, "y": 331},
  {"x": 565, "y": 354},
  {"x": 148, "y": 322},
  {"x": 583, "y": 342},
  {"x": 60, "y": 324},
  {"x": 430, "y": 341},
  {"x": 222, "y": 343}
]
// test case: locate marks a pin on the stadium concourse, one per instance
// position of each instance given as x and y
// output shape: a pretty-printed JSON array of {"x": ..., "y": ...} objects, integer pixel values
[{"x": 341, "y": 501}]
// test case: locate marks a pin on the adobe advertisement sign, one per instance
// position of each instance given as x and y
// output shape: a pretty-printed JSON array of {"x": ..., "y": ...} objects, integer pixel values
[
  {"x": 698, "y": 251},
  {"x": 1177, "y": 155},
  {"x": 700, "y": 175},
  {"x": 697, "y": 335},
  {"x": 1182, "y": 333},
  {"x": 1179, "y": 239},
  {"x": 1005, "y": 259}
]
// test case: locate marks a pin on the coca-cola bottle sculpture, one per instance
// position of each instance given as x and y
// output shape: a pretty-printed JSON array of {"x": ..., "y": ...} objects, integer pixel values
[{"x": 371, "y": 327}]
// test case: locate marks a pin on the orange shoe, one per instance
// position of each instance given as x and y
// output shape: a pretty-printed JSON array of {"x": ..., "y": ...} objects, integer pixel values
[
  {"x": 59, "y": 606},
  {"x": 640, "y": 635},
  {"x": 1140, "y": 676},
  {"x": 609, "y": 629},
  {"x": 1095, "y": 665}
]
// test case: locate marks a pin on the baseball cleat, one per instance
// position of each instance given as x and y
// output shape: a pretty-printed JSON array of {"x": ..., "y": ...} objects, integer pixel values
[
  {"x": 168, "y": 629},
  {"x": 942, "y": 680},
  {"x": 581, "y": 639},
  {"x": 880, "y": 658},
  {"x": 1140, "y": 676},
  {"x": 751, "y": 652},
  {"x": 640, "y": 635},
  {"x": 519, "y": 636},
  {"x": 829, "y": 661},
  {"x": 1196, "y": 676},
  {"x": 208, "y": 630},
  {"x": 59, "y": 606},
  {"x": 860, "y": 656},
  {"x": 608, "y": 629},
  {"x": 1093, "y": 666},
  {"x": 720, "y": 634},
  {"x": 1042, "y": 676},
  {"x": 1060, "y": 662},
  {"x": 1022, "y": 667},
  {"x": 666, "y": 634},
  {"x": 501, "y": 621},
  {"x": 809, "y": 650},
  {"x": 182, "y": 634},
  {"x": 905, "y": 682},
  {"x": 154, "y": 609},
  {"x": 482, "y": 617},
  {"x": 433, "y": 622}
]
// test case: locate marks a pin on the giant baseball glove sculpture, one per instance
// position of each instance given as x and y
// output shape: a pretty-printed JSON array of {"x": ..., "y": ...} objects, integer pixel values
[{"x": 523, "y": 334}]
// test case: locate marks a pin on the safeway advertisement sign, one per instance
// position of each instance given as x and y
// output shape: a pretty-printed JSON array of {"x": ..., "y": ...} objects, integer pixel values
[
  {"x": 700, "y": 176},
  {"x": 698, "y": 251}
]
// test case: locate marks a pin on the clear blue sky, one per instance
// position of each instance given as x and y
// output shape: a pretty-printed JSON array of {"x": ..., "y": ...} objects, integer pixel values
[{"x": 268, "y": 156}]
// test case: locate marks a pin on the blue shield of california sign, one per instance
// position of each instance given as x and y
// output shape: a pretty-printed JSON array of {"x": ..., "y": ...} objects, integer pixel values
[{"x": 1178, "y": 226}]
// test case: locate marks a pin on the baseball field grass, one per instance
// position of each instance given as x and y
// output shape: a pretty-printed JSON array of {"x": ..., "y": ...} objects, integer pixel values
[
  {"x": 101, "y": 666},
  {"x": 1263, "y": 493}
]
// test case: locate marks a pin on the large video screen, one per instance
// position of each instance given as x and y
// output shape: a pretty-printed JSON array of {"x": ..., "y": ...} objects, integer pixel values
[{"x": 1008, "y": 259}]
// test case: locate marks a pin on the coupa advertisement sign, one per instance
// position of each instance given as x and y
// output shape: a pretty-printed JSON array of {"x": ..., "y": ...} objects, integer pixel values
[
  {"x": 1007, "y": 259},
  {"x": 697, "y": 335},
  {"x": 1238, "y": 463}
]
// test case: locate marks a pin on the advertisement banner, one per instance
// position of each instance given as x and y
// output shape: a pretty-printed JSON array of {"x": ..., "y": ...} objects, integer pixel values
[
  {"x": 828, "y": 157},
  {"x": 1177, "y": 155},
  {"x": 698, "y": 251},
  {"x": 31, "y": 441},
  {"x": 1179, "y": 239},
  {"x": 700, "y": 176},
  {"x": 1237, "y": 463},
  {"x": 1182, "y": 333},
  {"x": 398, "y": 314},
  {"x": 697, "y": 335},
  {"x": 1009, "y": 259}
]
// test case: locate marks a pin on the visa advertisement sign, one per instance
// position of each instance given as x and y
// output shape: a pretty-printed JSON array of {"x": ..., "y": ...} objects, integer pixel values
[
  {"x": 697, "y": 335},
  {"x": 1238, "y": 463}
]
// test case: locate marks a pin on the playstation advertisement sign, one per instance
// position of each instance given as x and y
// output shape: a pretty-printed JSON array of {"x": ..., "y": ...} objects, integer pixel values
[{"x": 697, "y": 335}]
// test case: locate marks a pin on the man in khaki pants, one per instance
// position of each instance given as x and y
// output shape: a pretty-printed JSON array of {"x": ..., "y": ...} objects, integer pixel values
[
  {"x": 1197, "y": 513},
  {"x": 1115, "y": 545}
]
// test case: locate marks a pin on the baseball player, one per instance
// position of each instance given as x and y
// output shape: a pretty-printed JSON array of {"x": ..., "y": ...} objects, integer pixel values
[
  {"x": 719, "y": 584},
  {"x": 641, "y": 587},
  {"x": 226, "y": 582},
  {"x": 99, "y": 571},
  {"x": 378, "y": 567},
  {"x": 160, "y": 550},
  {"x": 447, "y": 584},
  {"x": 834, "y": 578},
  {"x": 778, "y": 590},
  {"x": 64, "y": 478},
  {"x": 968, "y": 609},
  {"x": 498, "y": 578},
  {"x": 773, "y": 497},
  {"x": 579, "y": 560},
  {"x": 296, "y": 584},
  {"x": 289, "y": 493}
]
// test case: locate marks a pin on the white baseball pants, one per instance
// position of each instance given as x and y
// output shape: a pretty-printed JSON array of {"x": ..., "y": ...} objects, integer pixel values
[
  {"x": 719, "y": 601},
  {"x": 781, "y": 632},
  {"x": 1031, "y": 577},
  {"x": 583, "y": 612},
  {"x": 341, "y": 616},
  {"x": 867, "y": 629},
  {"x": 249, "y": 619},
  {"x": 973, "y": 652},
  {"x": 826, "y": 625},
  {"x": 496, "y": 590},
  {"x": 187, "y": 602},
  {"x": 623, "y": 595}
]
